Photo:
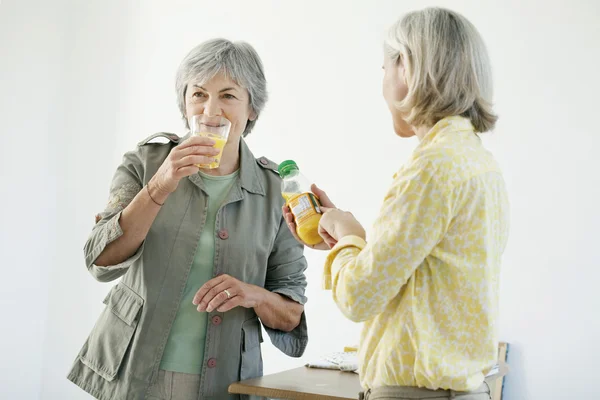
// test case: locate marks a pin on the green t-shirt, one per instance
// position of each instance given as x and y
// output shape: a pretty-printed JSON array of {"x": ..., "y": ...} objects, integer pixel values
[{"x": 185, "y": 347}]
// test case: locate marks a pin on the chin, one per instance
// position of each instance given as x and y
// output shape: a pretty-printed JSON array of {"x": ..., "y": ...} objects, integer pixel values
[
  {"x": 401, "y": 127},
  {"x": 403, "y": 130}
]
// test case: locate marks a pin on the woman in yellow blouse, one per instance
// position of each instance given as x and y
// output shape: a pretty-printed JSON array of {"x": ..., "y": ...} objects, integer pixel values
[{"x": 426, "y": 283}]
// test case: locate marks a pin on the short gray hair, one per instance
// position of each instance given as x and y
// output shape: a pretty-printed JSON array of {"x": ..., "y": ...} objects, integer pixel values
[
  {"x": 237, "y": 60},
  {"x": 447, "y": 67}
]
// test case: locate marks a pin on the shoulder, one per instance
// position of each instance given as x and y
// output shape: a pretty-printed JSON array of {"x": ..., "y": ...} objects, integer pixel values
[
  {"x": 154, "y": 148},
  {"x": 268, "y": 172},
  {"x": 450, "y": 163},
  {"x": 158, "y": 139},
  {"x": 268, "y": 165}
]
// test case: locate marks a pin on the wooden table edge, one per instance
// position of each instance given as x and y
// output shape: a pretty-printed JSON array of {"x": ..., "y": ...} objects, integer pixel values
[{"x": 239, "y": 388}]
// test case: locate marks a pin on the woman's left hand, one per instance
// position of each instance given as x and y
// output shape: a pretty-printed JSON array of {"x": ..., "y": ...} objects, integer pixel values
[
  {"x": 337, "y": 224},
  {"x": 226, "y": 292}
]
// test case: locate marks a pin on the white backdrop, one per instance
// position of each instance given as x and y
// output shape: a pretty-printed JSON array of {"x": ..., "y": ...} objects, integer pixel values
[{"x": 83, "y": 82}]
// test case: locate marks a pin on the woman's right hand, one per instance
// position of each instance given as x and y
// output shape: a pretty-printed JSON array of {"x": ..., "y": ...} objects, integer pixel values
[
  {"x": 328, "y": 242},
  {"x": 182, "y": 162}
]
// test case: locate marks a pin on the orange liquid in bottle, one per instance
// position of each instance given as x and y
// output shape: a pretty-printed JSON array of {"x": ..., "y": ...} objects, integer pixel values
[{"x": 306, "y": 210}]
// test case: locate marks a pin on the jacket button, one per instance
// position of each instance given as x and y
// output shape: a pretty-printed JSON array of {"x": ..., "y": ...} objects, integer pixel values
[
  {"x": 212, "y": 362},
  {"x": 216, "y": 320},
  {"x": 223, "y": 234},
  {"x": 264, "y": 161}
]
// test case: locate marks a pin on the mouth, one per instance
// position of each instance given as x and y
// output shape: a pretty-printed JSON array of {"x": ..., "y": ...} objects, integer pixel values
[{"x": 213, "y": 125}]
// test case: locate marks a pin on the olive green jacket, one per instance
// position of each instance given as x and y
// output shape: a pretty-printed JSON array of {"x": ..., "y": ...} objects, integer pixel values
[{"x": 121, "y": 357}]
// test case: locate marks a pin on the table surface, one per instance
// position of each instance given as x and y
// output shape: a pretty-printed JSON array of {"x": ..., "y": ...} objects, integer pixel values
[
  {"x": 302, "y": 383},
  {"x": 314, "y": 383}
]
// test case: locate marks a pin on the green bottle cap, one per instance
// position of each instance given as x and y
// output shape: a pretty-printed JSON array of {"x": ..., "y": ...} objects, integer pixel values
[{"x": 287, "y": 167}]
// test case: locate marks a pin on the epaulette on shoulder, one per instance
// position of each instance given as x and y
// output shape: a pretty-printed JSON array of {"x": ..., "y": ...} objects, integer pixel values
[{"x": 171, "y": 137}]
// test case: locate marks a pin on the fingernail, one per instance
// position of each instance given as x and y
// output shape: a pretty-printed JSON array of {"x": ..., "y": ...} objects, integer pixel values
[
  {"x": 209, "y": 309},
  {"x": 195, "y": 302}
]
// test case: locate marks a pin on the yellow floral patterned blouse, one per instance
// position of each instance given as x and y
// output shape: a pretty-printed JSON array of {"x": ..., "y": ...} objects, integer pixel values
[{"x": 426, "y": 284}]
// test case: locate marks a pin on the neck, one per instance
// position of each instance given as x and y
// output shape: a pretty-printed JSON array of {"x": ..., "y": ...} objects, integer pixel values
[
  {"x": 230, "y": 160},
  {"x": 421, "y": 131}
]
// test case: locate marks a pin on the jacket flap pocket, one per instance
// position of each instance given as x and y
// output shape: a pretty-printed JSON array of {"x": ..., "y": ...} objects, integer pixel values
[
  {"x": 252, "y": 334},
  {"x": 124, "y": 303},
  {"x": 113, "y": 333}
]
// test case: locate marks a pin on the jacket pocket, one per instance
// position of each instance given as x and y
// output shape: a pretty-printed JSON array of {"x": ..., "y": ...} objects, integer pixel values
[
  {"x": 251, "y": 365},
  {"x": 107, "y": 344}
]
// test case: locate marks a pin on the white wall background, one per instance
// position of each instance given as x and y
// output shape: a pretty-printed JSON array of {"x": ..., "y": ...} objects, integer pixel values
[{"x": 83, "y": 82}]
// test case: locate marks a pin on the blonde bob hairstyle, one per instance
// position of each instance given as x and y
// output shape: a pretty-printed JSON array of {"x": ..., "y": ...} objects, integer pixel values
[{"x": 447, "y": 68}]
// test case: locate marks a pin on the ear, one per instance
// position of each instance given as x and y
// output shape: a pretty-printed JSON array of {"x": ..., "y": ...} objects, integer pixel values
[
  {"x": 402, "y": 70},
  {"x": 252, "y": 116}
]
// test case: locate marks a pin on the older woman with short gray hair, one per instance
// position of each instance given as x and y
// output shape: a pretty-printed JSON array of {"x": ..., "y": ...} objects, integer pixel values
[{"x": 204, "y": 255}]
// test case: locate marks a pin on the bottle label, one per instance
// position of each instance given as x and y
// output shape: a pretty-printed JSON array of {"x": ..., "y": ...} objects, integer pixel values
[{"x": 304, "y": 206}]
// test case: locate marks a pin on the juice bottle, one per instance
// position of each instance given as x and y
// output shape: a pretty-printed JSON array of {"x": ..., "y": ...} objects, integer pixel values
[{"x": 303, "y": 204}]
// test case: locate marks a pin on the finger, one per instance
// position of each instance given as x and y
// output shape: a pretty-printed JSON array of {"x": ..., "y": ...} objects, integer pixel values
[
  {"x": 331, "y": 242},
  {"x": 201, "y": 150},
  {"x": 323, "y": 198},
  {"x": 321, "y": 246},
  {"x": 326, "y": 228},
  {"x": 327, "y": 238},
  {"x": 327, "y": 209},
  {"x": 204, "y": 289},
  {"x": 218, "y": 300},
  {"x": 323, "y": 233},
  {"x": 196, "y": 140},
  {"x": 217, "y": 291},
  {"x": 192, "y": 160},
  {"x": 289, "y": 220},
  {"x": 233, "y": 302},
  {"x": 292, "y": 228},
  {"x": 187, "y": 171},
  {"x": 287, "y": 215}
]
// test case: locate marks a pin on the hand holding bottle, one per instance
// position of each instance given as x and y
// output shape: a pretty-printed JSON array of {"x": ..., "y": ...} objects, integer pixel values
[{"x": 328, "y": 242}]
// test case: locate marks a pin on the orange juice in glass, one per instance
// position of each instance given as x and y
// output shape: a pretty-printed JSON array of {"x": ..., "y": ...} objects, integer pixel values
[{"x": 216, "y": 128}]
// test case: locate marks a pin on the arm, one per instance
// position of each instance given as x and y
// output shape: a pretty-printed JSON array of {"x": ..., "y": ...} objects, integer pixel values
[
  {"x": 278, "y": 312},
  {"x": 365, "y": 278},
  {"x": 100, "y": 247},
  {"x": 225, "y": 292},
  {"x": 286, "y": 278},
  {"x": 135, "y": 222},
  {"x": 117, "y": 239}
]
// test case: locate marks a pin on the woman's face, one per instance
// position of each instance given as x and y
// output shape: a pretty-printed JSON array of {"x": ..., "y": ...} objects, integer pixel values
[
  {"x": 395, "y": 90},
  {"x": 220, "y": 97}
]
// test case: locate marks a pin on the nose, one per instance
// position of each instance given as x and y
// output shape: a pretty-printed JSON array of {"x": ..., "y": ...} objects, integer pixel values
[{"x": 212, "y": 108}]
